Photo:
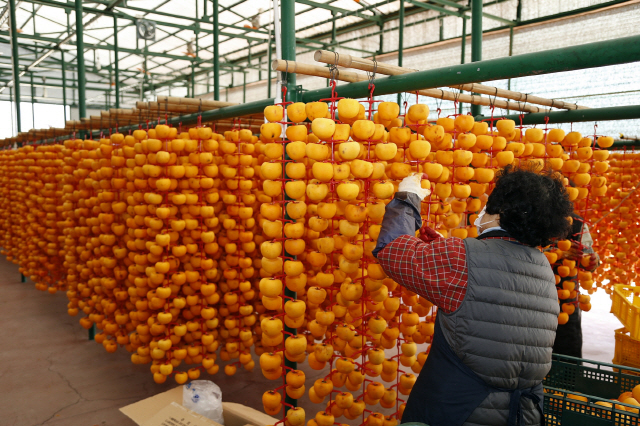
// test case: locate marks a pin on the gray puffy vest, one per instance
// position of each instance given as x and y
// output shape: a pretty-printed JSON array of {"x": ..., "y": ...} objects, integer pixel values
[{"x": 505, "y": 328}]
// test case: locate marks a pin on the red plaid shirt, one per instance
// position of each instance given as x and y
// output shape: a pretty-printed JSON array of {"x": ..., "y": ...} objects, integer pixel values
[{"x": 435, "y": 268}]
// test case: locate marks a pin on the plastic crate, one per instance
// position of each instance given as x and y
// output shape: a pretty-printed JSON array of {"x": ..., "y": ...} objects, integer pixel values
[
  {"x": 590, "y": 377},
  {"x": 625, "y": 305},
  {"x": 561, "y": 410},
  {"x": 627, "y": 349}
]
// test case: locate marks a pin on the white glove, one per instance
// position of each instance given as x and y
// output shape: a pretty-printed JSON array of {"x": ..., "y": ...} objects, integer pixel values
[{"x": 412, "y": 184}]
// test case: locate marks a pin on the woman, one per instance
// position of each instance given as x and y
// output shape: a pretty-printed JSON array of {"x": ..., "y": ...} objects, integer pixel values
[
  {"x": 569, "y": 335},
  {"x": 496, "y": 298}
]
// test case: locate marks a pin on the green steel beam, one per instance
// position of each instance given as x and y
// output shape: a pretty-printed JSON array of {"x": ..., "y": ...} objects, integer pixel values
[
  {"x": 230, "y": 9},
  {"x": 351, "y": 13},
  {"x": 195, "y": 20},
  {"x": 449, "y": 3},
  {"x": 102, "y": 47},
  {"x": 578, "y": 115},
  {"x": 499, "y": 19},
  {"x": 476, "y": 40},
  {"x": 593, "y": 114},
  {"x": 429, "y": 6},
  {"x": 82, "y": 100},
  {"x": 339, "y": 10},
  {"x": 16, "y": 61},
  {"x": 69, "y": 66},
  {"x": 307, "y": 41},
  {"x": 123, "y": 15},
  {"x": 591, "y": 55},
  {"x": 60, "y": 85},
  {"x": 623, "y": 144}
]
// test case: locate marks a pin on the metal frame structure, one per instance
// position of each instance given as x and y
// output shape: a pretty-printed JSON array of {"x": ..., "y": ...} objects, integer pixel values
[
  {"x": 611, "y": 52},
  {"x": 79, "y": 75},
  {"x": 38, "y": 54}
]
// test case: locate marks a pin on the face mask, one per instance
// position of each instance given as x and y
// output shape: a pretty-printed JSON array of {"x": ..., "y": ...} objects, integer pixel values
[{"x": 478, "y": 222}]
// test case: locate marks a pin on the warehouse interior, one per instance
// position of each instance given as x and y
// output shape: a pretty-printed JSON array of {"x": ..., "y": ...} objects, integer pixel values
[{"x": 161, "y": 167}]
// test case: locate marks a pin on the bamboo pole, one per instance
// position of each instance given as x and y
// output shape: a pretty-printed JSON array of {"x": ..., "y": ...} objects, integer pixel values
[
  {"x": 197, "y": 102},
  {"x": 110, "y": 115},
  {"x": 352, "y": 77},
  {"x": 350, "y": 61},
  {"x": 171, "y": 107},
  {"x": 160, "y": 107}
]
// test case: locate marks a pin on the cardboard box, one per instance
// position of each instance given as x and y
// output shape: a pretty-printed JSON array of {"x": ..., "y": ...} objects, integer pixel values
[{"x": 165, "y": 409}]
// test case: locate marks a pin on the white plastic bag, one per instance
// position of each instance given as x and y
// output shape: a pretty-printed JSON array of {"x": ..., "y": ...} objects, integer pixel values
[{"x": 205, "y": 398}]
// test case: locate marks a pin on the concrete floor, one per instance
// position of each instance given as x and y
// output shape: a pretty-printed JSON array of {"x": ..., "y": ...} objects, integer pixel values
[{"x": 50, "y": 374}]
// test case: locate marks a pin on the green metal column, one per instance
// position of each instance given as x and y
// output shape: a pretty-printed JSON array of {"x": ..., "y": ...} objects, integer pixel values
[
  {"x": 334, "y": 33},
  {"x": 193, "y": 79},
  {"x": 288, "y": 35},
  {"x": 270, "y": 54},
  {"x": 197, "y": 25},
  {"x": 400, "y": 41},
  {"x": 510, "y": 52},
  {"x": 16, "y": 60},
  {"x": 476, "y": 40},
  {"x": 518, "y": 19},
  {"x": 11, "y": 102},
  {"x": 244, "y": 86},
  {"x": 288, "y": 49},
  {"x": 33, "y": 102},
  {"x": 216, "y": 53},
  {"x": 64, "y": 84},
  {"x": 463, "y": 52},
  {"x": 115, "y": 60},
  {"x": 82, "y": 81}
]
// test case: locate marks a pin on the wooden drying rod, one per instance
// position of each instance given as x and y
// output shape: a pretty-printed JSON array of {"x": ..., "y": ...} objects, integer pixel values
[
  {"x": 123, "y": 116},
  {"x": 348, "y": 61},
  {"x": 353, "y": 77},
  {"x": 204, "y": 103}
]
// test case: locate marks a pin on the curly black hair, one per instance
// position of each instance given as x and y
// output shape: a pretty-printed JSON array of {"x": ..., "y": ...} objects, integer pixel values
[{"x": 533, "y": 206}]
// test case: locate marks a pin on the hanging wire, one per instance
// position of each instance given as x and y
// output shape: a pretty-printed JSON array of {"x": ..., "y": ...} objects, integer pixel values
[
  {"x": 372, "y": 75},
  {"x": 333, "y": 68},
  {"x": 284, "y": 77},
  {"x": 439, "y": 103}
]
